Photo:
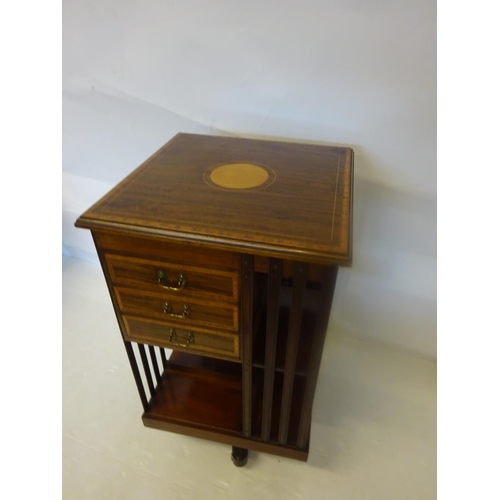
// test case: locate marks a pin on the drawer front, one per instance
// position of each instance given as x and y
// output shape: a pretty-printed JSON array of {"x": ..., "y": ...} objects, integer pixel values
[
  {"x": 156, "y": 249},
  {"x": 181, "y": 279},
  {"x": 194, "y": 341},
  {"x": 177, "y": 311}
]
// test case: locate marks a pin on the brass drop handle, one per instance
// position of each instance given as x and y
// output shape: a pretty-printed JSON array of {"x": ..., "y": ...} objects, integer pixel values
[
  {"x": 186, "y": 311},
  {"x": 172, "y": 338},
  {"x": 163, "y": 280}
]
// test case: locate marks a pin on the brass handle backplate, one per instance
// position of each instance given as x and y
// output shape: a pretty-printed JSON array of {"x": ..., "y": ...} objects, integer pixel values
[
  {"x": 186, "y": 311},
  {"x": 172, "y": 338},
  {"x": 163, "y": 281}
]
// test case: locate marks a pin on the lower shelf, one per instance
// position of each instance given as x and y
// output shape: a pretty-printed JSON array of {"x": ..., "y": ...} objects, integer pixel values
[
  {"x": 194, "y": 395},
  {"x": 202, "y": 397}
]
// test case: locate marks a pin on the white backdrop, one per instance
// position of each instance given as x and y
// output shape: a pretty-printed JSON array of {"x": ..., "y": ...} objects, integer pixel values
[{"x": 351, "y": 72}]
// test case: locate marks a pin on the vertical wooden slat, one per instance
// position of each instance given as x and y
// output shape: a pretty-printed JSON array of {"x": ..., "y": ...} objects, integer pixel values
[
  {"x": 273, "y": 308},
  {"x": 137, "y": 375},
  {"x": 152, "y": 355},
  {"x": 147, "y": 371},
  {"x": 247, "y": 332},
  {"x": 299, "y": 285},
  {"x": 163, "y": 358},
  {"x": 327, "y": 289}
]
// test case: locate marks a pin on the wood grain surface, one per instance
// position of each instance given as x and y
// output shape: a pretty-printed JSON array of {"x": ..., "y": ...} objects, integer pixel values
[{"x": 305, "y": 214}]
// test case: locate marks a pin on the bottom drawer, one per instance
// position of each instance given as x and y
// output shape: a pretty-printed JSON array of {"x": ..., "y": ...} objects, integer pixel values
[{"x": 215, "y": 344}]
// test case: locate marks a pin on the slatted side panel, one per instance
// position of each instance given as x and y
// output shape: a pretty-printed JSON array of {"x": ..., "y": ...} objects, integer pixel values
[
  {"x": 147, "y": 363},
  {"x": 137, "y": 375},
  {"x": 281, "y": 400},
  {"x": 298, "y": 309}
]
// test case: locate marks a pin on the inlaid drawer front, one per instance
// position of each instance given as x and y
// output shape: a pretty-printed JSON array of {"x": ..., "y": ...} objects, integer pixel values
[
  {"x": 193, "y": 340},
  {"x": 182, "y": 279},
  {"x": 182, "y": 312}
]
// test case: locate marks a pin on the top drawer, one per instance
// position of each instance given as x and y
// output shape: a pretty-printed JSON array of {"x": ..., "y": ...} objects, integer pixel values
[{"x": 175, "y": 277}]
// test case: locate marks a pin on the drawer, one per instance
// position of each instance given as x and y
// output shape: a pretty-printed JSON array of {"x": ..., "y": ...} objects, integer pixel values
[
  {"x": 182, "y": 279},
  {"x": 195, "y": 341},
  {"x": 178, "y": 311}
]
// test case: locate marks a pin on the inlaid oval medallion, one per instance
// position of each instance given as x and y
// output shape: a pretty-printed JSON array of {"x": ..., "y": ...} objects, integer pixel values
[{"x": 239, "y": 176}]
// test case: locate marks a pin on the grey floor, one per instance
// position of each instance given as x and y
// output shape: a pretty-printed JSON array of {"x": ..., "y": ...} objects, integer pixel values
[{"x": 373, "y": 431}]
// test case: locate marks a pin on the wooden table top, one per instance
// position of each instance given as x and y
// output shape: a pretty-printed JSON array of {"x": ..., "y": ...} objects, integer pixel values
[{"x": 278, "y": 199}]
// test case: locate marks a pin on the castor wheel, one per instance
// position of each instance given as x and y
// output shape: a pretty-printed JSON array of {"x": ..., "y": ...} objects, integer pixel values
[{"x": 239, "y": 456}]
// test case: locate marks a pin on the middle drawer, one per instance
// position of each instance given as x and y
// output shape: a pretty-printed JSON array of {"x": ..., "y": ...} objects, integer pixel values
[{"x": 178, "y": 311}]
